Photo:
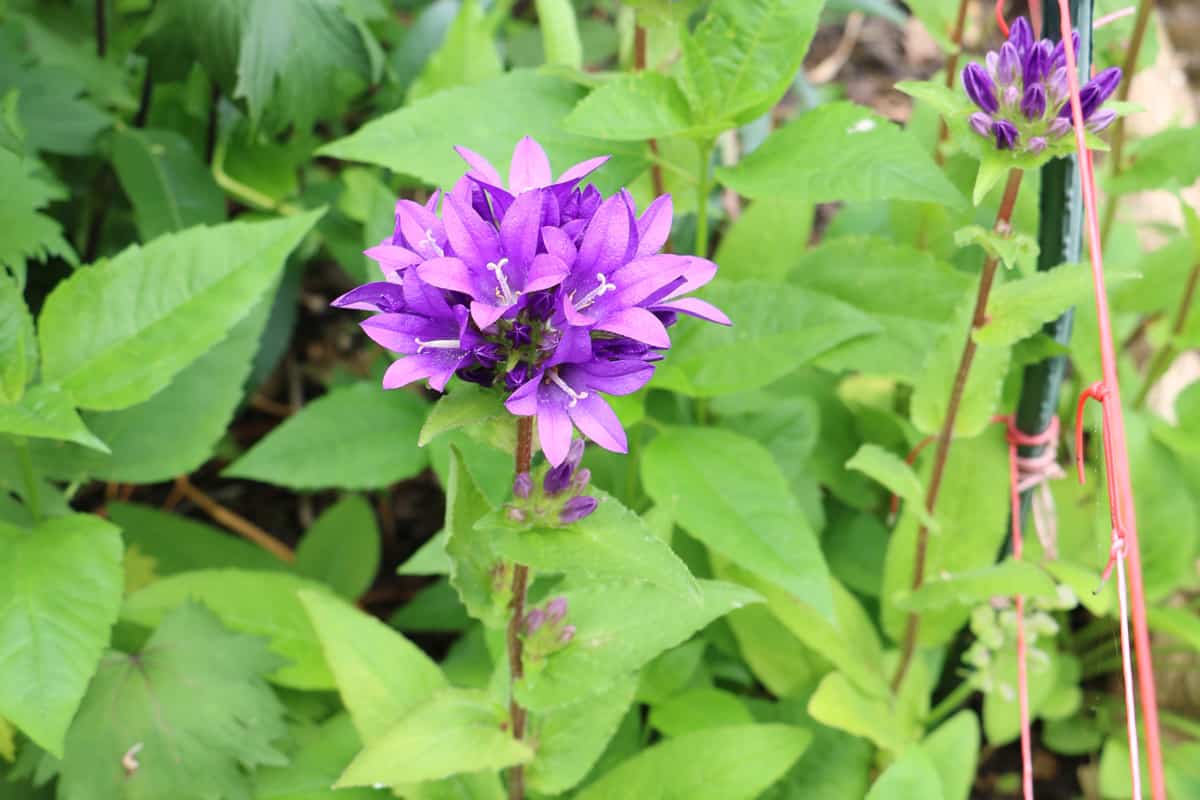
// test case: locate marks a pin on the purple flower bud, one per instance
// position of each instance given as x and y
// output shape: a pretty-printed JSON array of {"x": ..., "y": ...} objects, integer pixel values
[
  {"x": 1009, "y": 65},
  {"x": 580, "y": 479},
  {"x": 1036, "y": 145},
  {"x": 516, "y": 377},
  {"x": 981, "y": 123},
  {"x": 1104, "y": 84},
  {"x": 1059, "y": 57},
  {"x": 556, "y": 609},
  {"x": 522, "y": 485},
  {"x": 1101, "y": 120},
  {"x": 1037, "y": 62},
  {"x": 1059, "y": 128},
  {"x": 992, "y": 60},
  {"x": 1012, "y": 96},
  {"x": 980, "y": 88},
  {"x": 1006, "y": 134},
  {"x": 577, "y": 508},
  {"x": 568, "y": 633},
  {"x": 1020, "y": 35},
  {"x": 520, "y": 335},
  {"x": 559, "y": 478},
  {"x": 515, "y": 514},
  {"x": 1033, "y": 104},
  {"x": 534, "y": 620},
  {"x": 1058, "y": 87}
]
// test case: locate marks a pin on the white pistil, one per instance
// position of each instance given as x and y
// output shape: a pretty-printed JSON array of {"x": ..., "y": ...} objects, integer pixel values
[
  {"x": 436, "y": 344},
  {"x": 571, "y": 393},
  {"x": 432, "y": 243},
  {"x": 503, "y": 292},
  {"x": 602, "y": 287}
]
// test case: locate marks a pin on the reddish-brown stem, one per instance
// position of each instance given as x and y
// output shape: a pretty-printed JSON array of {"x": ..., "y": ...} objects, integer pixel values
[
  {"x": 946, "y": 433},
  {"x": 1162, "y": 358},
  {"x": 516, "y": 668},
  {"x": 1141, "y": 22},
  {"x": 234, "y": 522},
  {"x": 639, "y": 64},
  {"x": 956, "y": 36}
]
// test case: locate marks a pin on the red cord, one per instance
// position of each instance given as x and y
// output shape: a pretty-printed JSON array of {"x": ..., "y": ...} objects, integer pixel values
[
  {"x": 1000, "y": 18},
  {"x": 1120, "y": 489}
]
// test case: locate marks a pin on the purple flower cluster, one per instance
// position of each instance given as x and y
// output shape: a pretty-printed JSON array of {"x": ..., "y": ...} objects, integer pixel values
[
  {"x": 1023, "y": 93},
  {"x": 561, "y": 500},
  {"x": 550, "y": 292}
]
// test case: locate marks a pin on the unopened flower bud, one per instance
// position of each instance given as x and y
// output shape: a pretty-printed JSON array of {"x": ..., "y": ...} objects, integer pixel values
[
  {"x": 1012, "y": 97},
  {"x": 581, "y": 479},
  {"x": 576, "y": 509},
  {"x": 1033, "y": 103},
  {"x": 1036, "y": 145},
  {"x": 559, "y": 478},
  {"x": 1006, "y": 134},
  {"x": 515, "y": 514},
  {"x": 534, "y": 620},
  {"x": 1008, "y": 65},
  {"x": 568, "y": 633},
  {"x": 522, "y": 485},
  {"x": 981, "y": 123},
  {"x": 1101, "y": 120},
  {"x": 556, "y": 609},
  {"x": 980, "y": 88},
  {"x": 1059, "y": 128}
]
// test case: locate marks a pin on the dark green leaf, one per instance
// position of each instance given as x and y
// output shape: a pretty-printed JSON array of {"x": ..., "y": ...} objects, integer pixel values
[
  {"x": 28, "y": 234},
  {"x": 341, "y": 549},
  {"x": 169, "y": 186},
  {"x": 178, "y": 544}
]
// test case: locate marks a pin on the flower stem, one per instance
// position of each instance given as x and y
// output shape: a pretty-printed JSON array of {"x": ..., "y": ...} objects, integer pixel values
[
  {"x": 234, "y": 522},
  {"x": 639, "y": 64},
  {"x": 1141, "y": 22},
  {"x": 703, "y": 189},
  {"x": 516, "y": 668},
  {"x": 1166, "y": 354},
  {"x": 958, "y": 695},
  {"x": 946, "y": 434},
  {"x": 101, "y": 29},
  {"x": 29, "y": 474},
  {"x": 956, "y": 36}
]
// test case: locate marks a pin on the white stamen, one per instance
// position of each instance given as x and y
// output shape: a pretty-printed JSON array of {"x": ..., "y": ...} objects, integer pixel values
[
  {"x": 436, "y": 344},
  {"x": 862, "y": 126},
  {"x": 560, "y": 383},
  {"x": 591, "y": 297},
  {"x": 503, "y": 293},
  {"x": 432, "y": 243}
]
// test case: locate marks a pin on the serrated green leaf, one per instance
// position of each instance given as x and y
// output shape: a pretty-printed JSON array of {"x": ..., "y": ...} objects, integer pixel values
[
  {"x": 850, "y": 153},
  {"x": 261, "y": 603},
  {"x": 380, "y": 675},
  {"x": 734, "y": 762},
  {"x": 619, "y": 626},
  {"x": 195, "y": 715},
  {"x": 28, "y": 234},
  {"x": 748, "y": 515},
  {"x": 467, "y": 55},
  {"x": 356, "y": 437},
  {"x": 60, "y": 588},
  {"x": 473, "y": 561},
  {"x": 634, "y": 107},
  {"x": 18, "y": 345},
  {"x": 775, "y": 330},
  {"x": 467, "y": 404},
  {"x": 1014, "y": 250},
  {"x": 456, "y": 731},
  {"x": 167, "y": 183},
  {"x": 414, "y": 140},
  {"x": 341, "y": 549},
  {"x": 187, "y": 290},
  {"x": 570, "y": 739},
  {"x": 971, "y": 587},
  {"x": 888, "y": 469},
  {"x": 182, "y": 32},
  {"x": 560, "y": 33},
  {"x": 742, "y": 57},
  {"x": 47, "y": 412},
  {"x": 612, "y": 542}
]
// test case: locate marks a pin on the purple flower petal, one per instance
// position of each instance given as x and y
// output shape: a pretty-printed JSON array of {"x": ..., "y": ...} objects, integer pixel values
[
  {"x": 391, "y": 258},
  {"x": 485, "y": 315},
  {"x": 521, "y": 228},
  {"x": 530, "y": 168},
  {"x": 559, "y": 245},
  {"x": 554, "y": 431},
  {"x": 695, "y": 307},
  {"x": 638, "y": 324},
  {"x": 605, "y": 240},
  {"x": 615, "y": 378},
  {"x": 1101, "y": 120},
  {"x": 1033, "y": 104},
  {"x": 597, "y": 421},
  {"x": 1009, "y": 65},
  {"x": 581, "y": 170},
  {"x": 449, "y": 273},
  {"x": 979, "y": 87},
  {"x": 524, "y": 401},
  {"x": 474, "y": 241},
  {"x": 654, "y": 226},
  {"x": 378, "y": 296},
  {"x": 1006, "y": 134},
  {"x": 981, "y": 123},
  {"x": 481, "y": 168},
  {"x": 545, "y": 272},
  {"x": 1020, "y": 35}
]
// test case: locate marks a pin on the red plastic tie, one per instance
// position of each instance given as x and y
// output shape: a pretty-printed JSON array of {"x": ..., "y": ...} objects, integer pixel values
[{"x": 1000, "y": 18}]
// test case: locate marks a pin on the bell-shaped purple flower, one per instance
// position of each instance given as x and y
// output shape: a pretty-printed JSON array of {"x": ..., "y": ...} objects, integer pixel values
[
  {"x": 1006, "y": 134},
  {"x": 1033, "y": 104},
  {"x": 980, "y": 88}
]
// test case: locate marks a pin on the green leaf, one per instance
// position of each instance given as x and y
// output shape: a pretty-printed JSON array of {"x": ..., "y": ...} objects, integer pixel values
[
  {"x": 195, "y": 714},
  {"x": 430, "y": 558},
  {"x": 613, "y": 542},
  {"x": 954, "y": 751},
  {"x": 456, "y": 731},
  {"x": 1167, "y": 160},
  {"x": 938, "y": 19},
  {"x": 775, "y": 330},
  {"x": 169, "y": 186},
  {"x": 560, "y": 33},
  {"x": 413, "y": 140},
  {"x": 972, "y": 514},
  {"x": 747, "y": 515},
  {"x": 766, "y": 240},
  {"x": 187, "y": 289},
  {"x": 192, "y": 413},
  {"x": 931, "y": 393},
  {"x": 743, "y": 56},
  {"x": 314, "y": 766},
  {"x": 47, "y": 412},
  {"x": 914, "y": 774},
  {"x": 1001, "y": 711},
  {"x": 633, "y": 107},
  {"x": 1178, "y": 624},
  {"x": 850, "y": 153},
  {"x": 341, "y": 549},
  {"x": 972, "y": 587},
  {"x": 1019, "y": 308},
  {"x": 60, "y": 589},
  {"x": 466, "y": 56},
  {"x": 261, "y": 603},
  {"x": 53, "y": 113},
  {"x": 909, "y": 293},
  {"x": 473, "y": 562},
  {"x": 355, "y": 437},
  {"x": 734, "y": 762},
  {"x": 208, "y": 31},
  {"x": 570, "y": 739},
  {"x": 1014, "y": 250},
  {"x": 619, "y": 627},
  {"x": 18, "y": 347},
  {"x": 840, "y": 704},
  {"x": 779, "y": 660},
  {"x": 301, "y": 57},
  {"x": 178, "y": 544},
  {"x": 380, "y": 675},
  {"x": 467, "y": 404},
  {"x": 699, "y": 709},
  {"x": 28, "y": 234},
  {"x": 434, "y": 609},
  {"x": 887, "y": 468}
]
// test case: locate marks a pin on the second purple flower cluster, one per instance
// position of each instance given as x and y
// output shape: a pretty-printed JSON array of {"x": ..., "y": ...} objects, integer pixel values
[
  {"x": 551, "y": 292},
  {"x": 1023, "y": 93}
]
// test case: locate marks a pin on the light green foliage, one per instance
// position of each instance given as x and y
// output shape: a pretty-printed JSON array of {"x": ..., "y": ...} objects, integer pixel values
[
  {"x": 60, "y": 588},
  {"x": 314, "y": 766},
  {"x": 560, "y": 33},
  {"x": 466, "y": 405},
  {"x": 767, "y": 240},
  {"x": 974, "y": 586},
  {"x": 28, "y": 233},
  {"x": 953, "y": 747},
  {"x": 18, "y": 347},
  {"x": 1013, "y": 250},
  {"x": 47, "y": 412},
  {"x": 570, "y": 739},
  {"x": 194, "y": 710},
  {"x": 341, "y": 549},
  {"x": 467, "y": 55},
  {"x": 336, "y": 441},
  {"x": 890, "y": 470},
  {"x": 1168, "y": 159},
  {"x": 912, "y": 775},
  {"x": 169, "y": 186},
  {"x": 1017, "y": 309},
  {"x": 115, "y": 334},
  {"x": 699, "y": 709},
  {"x": 475, "y": 570}
]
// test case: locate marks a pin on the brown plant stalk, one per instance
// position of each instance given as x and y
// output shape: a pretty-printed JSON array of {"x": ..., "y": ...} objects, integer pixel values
[{"x": 516, "y": 668}]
